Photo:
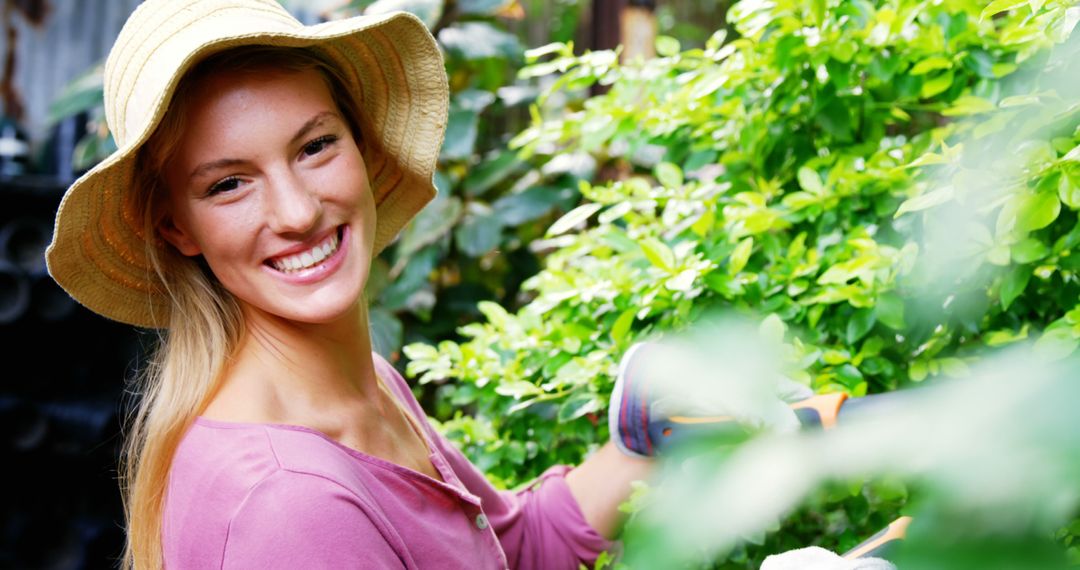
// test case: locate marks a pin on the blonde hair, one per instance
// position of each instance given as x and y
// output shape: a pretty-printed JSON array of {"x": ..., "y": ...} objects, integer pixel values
[{"x": 205, "y": 322}]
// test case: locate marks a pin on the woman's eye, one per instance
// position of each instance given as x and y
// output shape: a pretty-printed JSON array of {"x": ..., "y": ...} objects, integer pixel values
[
  {"x": 318, "y": 145},
  {"x": 226, "y": 185}
]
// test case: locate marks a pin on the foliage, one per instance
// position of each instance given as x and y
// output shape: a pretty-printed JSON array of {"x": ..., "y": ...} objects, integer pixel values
[
  {"x": 894, "y": 184},
  {"x": 470, "y": 245}
]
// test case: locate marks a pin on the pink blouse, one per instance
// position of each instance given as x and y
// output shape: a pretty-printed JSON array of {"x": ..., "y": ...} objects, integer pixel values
[{"x": 246, "y": 495}]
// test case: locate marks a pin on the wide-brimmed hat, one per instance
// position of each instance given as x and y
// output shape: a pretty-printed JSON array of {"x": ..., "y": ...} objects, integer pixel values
[{"x": 392, "y": 66}]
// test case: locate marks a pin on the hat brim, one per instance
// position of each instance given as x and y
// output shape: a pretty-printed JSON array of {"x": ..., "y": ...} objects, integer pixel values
[{"x": 395, "y": 70}]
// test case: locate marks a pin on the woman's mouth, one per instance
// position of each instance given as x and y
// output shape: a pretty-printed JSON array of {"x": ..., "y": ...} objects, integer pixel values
[{"x": 310, "y": 258}]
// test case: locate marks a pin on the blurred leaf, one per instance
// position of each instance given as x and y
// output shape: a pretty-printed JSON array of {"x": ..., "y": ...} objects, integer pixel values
[
  {"x": 860, "y": 323},
  {"x": 85, "y": 92},
  {"x": 1037, "y": 211},
  {"x": 482, "y": 7},
  {"x": 998, "y": 6},
  {"x": 932, "y": 63},
  {"x": 475, "y": 100},
  {"x": 578, "y": 405},
  {"x": 890, "y": 310},
  {"x": 427, "y": 10},
  {"x": 1013, "y": 284},
  {"x": 386, "y": 332},
  {"x": 810, "y": 181},
  {"x": 667, "y": 46},
  {"x": 1029, "y": 250},
  {"x": 461, "y": 130},
  {"x": 514, "y": 95},
  {"x": 573, "y": 218},
  {"x": 491, "y": 172},
  {"x": 478, "y": 233},
  {"x": 478, "y": 40},
  {"x": 530, "y": 204},
  {"x": 741, "y": 255},
  {"x": 658, "y": 253},
  {"x": 669, "y": 175},
  {"x": 432, "y": 223},
  {"x": 936, "y": 85}
]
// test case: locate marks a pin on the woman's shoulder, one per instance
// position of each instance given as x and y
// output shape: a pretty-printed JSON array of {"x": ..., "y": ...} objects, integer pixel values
[
  {"x": 233, "y": 457},
  {"x": 226, "y": 477}
]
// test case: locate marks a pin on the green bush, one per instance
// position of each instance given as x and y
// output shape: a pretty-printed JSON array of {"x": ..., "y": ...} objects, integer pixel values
[{"x": 892, "y": 187}]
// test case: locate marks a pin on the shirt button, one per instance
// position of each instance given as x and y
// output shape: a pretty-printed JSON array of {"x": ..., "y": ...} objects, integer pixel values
[{"x": 481, "y": 522}]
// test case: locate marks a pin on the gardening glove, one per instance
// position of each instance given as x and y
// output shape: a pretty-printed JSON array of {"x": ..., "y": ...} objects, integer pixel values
[
  {"x": 816, "y": 558},
  {"x": 658, "y": 381}
]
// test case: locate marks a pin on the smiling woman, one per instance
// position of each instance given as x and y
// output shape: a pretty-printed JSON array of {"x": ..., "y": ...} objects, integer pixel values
[
  {"x": 261, "y": 166},
  {"x": 265, "y": 182}
]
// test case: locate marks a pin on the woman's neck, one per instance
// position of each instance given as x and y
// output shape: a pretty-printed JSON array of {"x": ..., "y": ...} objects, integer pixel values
[{"x": 289, "y": 372}]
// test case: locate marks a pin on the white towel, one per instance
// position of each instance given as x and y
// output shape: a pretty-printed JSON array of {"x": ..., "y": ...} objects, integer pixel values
[{"x": 816, "y": 558}]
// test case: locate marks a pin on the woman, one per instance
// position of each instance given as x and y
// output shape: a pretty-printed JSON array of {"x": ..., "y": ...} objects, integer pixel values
[{"x": 261, "y": 166}]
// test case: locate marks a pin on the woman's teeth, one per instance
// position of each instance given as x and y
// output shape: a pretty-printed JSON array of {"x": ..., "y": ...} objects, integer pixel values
[{"x": 308, "y": 258}]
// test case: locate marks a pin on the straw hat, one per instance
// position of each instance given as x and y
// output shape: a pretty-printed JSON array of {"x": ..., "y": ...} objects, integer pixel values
[{"x": 392, "y": 65}]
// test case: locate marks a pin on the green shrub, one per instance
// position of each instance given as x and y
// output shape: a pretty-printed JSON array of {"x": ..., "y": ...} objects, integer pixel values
[{"x": 891, "y": 186}]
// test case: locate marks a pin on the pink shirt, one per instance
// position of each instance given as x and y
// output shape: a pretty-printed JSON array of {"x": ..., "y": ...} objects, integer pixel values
[{"x": 245, "y": 495}]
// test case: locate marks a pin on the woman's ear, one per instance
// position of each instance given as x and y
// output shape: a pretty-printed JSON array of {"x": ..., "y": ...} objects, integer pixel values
[{"x": 178, "y": 237}]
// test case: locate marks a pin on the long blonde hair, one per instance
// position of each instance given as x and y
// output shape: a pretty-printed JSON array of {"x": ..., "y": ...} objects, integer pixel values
[{"x": 205, "y": 322}]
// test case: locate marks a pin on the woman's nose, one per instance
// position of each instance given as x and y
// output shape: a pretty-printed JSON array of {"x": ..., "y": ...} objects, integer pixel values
[{"x": 293, "y": 207}]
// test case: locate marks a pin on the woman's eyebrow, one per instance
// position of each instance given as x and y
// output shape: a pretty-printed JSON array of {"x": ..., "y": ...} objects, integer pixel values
[
  {"x": 312, "y": 123},
  {"x": 206, "y": 167},
  {"x": 304, "y": 130}
]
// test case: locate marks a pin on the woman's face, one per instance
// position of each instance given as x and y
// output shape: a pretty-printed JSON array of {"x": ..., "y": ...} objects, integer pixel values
[{"x": 268, "y": 185}]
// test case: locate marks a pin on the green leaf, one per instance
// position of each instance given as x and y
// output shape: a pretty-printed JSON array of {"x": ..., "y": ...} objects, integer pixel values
[
  {"x": 669, "y": 175},
  {"x": 1037, "y": 210},
  {"x": 936, "y": 85},
  {"x": 530, "y": 204},
  {"x": 658, "y": 253},
  {"x": 924, "y": 201},
  {"x": 386, "y": 332},
  {"x": 1073, "y": 155},
  {"x": 741, "y": 255},
  {"x": 479, "y": 233},
  {"x": 1056, "y": 343},
  {"x": 573, "y": 218},
  {"x": 968, "y": 105},
  {"x": 1006, "y": 336},
  {"x": 480, "y": 40},
  {"x": 578, "y": 405},
  {"x": 890, "y": 310},
  {"x": 488, "y": 173},
  {"x": 517, "y": 389},
  {"x": 1020, "y": 101},
  {"x": 667, "y": 46},
  {"x": 917, "y": 371},
  {"x": 461, "y": 131},
  {"x": 1069, "y": 189},
  {"x": 622, "y": 325},
  {"x": 1029, "y": 250},
  {"x": 927, "y": 159},
  {"x": 932, "y": 63},
  {"x": 84, "y": 93},
  {"x": 772, "y": 329},
  {"x": 1013, "y": 284},
  {"x": 432, "y": 223},
  {"x": 998, "y": 6},
  {"x": 859, "y": 324},
  {"x": 810, "y": 181}
]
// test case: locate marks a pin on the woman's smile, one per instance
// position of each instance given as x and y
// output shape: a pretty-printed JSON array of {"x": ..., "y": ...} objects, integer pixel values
[{"x": 302, "y": 265}]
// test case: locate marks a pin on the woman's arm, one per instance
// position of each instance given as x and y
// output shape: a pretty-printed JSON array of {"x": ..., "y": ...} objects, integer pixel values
[{"x": 602, "y": 482}]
